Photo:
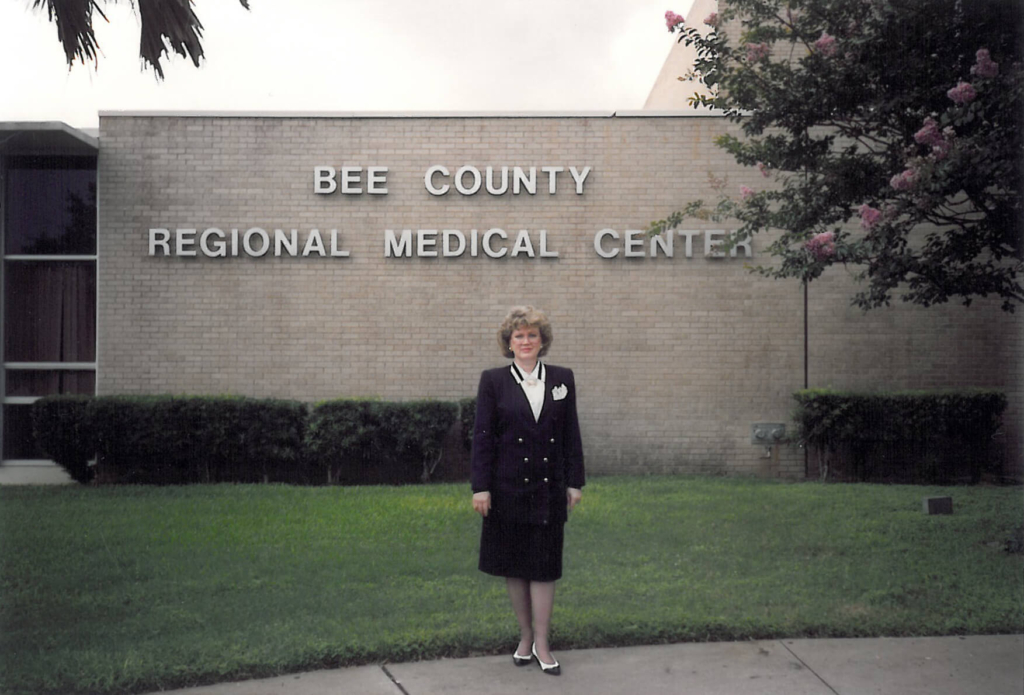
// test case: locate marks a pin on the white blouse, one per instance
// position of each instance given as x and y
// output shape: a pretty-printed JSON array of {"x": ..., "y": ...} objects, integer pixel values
[{"x": 533, "y": 386}]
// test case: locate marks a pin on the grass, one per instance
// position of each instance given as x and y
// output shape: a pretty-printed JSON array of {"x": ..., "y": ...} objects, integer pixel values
[{"x": 128, "y": 589}]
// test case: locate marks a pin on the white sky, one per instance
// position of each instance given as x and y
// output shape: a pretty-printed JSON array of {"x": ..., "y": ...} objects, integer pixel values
[{"x": 349, "y": 55}]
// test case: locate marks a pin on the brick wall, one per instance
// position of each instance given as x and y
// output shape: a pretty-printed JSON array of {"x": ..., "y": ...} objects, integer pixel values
[{"x": 675, "y": 358}]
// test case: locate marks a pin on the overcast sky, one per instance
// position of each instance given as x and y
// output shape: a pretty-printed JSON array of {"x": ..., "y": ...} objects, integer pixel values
[{"x": 349, "y": 55}]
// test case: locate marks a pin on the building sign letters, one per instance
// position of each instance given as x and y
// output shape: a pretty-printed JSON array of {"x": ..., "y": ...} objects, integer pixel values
[{"x": 439, "y": 180}]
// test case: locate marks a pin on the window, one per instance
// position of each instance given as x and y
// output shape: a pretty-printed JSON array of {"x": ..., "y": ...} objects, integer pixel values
[
  {"x": 51, "y": 206},
  {"x": 49, "y": 288},
  {"x": 50, "y": 311}
]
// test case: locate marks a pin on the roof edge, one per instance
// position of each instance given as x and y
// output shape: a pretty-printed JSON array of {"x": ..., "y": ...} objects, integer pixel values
[
  {"x": 357, "y": 114},
  {"x": 404, "y": 114},
  {"x": 85, "y": 138}
]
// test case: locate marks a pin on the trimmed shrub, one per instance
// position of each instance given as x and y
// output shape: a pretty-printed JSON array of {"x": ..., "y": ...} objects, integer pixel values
[
  {"x": 273, "y": 438},
  {"x": 376, "y": 442},
  {"x": 175, "y": 440},
  {"x": 61, "y": 426},
  {"x": 912, "y": 437},
  {"x": 413, "y": 433},
  {"x": 166, "y": 440},
  {"x": 129, "y": 441},
  {"x": 467, "y": 419},
  {"x": 339, "y": 435}
]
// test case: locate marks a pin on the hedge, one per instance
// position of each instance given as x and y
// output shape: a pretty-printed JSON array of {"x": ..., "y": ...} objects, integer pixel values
[
  {"x": 197, "y": 439},
  {"x": 61, "y": 425},
  {"x": 467, "y": 419},
  {"x": 378, "y": 442},
  {"x": 338, "y": 440},
  {"x": 912, "y": 437}
]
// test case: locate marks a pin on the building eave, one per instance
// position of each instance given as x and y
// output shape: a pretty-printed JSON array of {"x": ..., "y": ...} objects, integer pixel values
[{"x": 45, "y": 138}]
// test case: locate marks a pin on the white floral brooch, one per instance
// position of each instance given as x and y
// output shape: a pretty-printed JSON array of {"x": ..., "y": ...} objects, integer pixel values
[{"x": 559, "y": 392}]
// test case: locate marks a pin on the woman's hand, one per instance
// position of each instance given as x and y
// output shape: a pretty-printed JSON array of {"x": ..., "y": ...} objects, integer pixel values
[
  {"x": 482, "y": 502},
  {"x": 574, "y": 496}
]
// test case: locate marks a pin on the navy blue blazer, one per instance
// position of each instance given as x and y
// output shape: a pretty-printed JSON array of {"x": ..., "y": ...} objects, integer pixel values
[{"x": 527, "y": 464}]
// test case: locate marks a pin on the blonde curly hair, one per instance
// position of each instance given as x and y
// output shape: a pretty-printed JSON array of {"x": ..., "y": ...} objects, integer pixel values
[{"x": 519, "y": 316}]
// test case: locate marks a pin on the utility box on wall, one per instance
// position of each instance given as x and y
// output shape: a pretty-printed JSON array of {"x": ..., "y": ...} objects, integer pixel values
[{"x": 767, "y": 433}]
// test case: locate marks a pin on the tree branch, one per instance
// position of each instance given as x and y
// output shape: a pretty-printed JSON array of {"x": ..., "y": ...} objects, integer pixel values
[{"x": 165, "y": 24}]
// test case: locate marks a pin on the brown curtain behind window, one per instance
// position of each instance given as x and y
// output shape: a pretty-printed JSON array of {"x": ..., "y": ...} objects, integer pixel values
[{"x": 50, "y": 312}]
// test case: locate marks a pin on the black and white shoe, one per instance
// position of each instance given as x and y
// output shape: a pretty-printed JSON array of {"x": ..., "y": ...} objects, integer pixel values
[
  {"x": 521, "y": 660},
  {"x": 550, "y": 669}
]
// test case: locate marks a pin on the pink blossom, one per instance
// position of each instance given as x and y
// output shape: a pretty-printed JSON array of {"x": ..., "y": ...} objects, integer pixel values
[
  {"x": 757, "y": 51},
  {"x": 826, "y": 45},
  {"x": 904, "y": 181},
  {"x": 821, "y": 246},
  {"x": 941, "y": 142},
  {"x": 962, "y": 93},
  {"x": 763, "y": 168},
  {"x": 929, "y": 134},
  {"x": 712, "y": 19},
  {"x": 941, "y": 150},
  {"x": 984, "y": 67},
  {"x": 869, "y": 216},
  {"x": 672, "y": 20},
  {"x": 746, "y": 192}
]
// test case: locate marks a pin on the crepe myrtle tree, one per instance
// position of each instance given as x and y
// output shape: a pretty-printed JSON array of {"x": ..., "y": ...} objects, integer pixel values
[
  {"x": 903, "y": 118},
  {"x": 165, "y": 24}
]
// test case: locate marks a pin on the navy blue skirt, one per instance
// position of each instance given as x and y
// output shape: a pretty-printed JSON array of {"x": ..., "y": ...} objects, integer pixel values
[{"x": 523, "y": 551}]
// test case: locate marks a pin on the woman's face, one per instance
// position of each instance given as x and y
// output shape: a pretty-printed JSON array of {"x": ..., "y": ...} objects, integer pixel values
[{"x": 525, "y": 343}]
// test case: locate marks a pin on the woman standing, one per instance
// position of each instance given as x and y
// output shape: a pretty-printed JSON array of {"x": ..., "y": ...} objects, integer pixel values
[{"x": 527, "y": 473}]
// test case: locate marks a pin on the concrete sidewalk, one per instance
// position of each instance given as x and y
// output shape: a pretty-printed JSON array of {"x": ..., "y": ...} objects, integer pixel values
[{"x": 981, "y": 665}]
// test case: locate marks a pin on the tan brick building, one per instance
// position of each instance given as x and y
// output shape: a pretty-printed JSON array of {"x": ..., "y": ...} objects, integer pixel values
[{"x": 677, "y": 350}]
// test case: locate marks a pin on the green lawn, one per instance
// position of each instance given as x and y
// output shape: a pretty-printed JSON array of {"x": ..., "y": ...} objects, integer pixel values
[{"x": 122, "y": 589}]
